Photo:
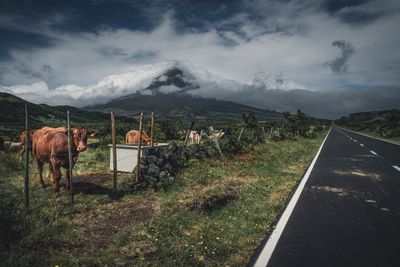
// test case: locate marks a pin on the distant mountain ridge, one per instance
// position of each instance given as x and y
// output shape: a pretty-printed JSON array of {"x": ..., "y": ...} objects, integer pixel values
[
  {"x": 181, "y": 105},
  {"x": 12, "y": 115}
]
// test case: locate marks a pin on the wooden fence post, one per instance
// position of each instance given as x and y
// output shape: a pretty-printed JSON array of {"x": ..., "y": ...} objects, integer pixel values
[
  {"x": 188, "y": 132},
  {"x": 215, "y": 139},
  {"x": 240, "y": 134},
  {"x": 264, "y": 135},
  {"x": 139, "y": 148},
  {"x": 114, "y": 152},
  {"x": 26, "y": 176},
  {"x": 152, "y": 130},
  {"x": 201, "y": 135},
  {"x": 71, "y": 180}
]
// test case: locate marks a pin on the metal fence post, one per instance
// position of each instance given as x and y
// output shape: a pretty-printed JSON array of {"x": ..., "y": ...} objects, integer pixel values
[
  {"x": 215, "y": 139},
  {"x": 139, "y": 147}
]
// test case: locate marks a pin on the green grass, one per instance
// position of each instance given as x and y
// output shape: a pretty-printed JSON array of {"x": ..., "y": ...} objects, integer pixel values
[{"x": 214, "y": 214}]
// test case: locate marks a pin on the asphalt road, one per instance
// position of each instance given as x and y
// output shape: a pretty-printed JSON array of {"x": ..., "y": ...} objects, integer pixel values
[{"x": 348, "y": 213}]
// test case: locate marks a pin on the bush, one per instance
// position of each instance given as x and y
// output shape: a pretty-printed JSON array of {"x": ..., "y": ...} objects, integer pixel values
[{"x": 230, "y": 146}]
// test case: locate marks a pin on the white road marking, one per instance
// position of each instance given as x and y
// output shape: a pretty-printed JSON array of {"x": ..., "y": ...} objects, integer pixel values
[
  {"x": 373, "y": 152},
  {"x": 396, "y": 167},
  {"x": 361, "y": 145},
  {"x": 387, "y": 141},
  {"x": 273, "y": 239}
]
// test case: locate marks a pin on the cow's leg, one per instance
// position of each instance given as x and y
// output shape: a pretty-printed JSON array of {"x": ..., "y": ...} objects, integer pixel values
[
  {"x": 39, "y": 165},
  {"x": 56, "y": 164},
  {"x": 50, "y": 172}
]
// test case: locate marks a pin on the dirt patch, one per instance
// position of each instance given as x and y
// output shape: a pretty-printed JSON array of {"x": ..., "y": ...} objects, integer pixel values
[
  {"x": 99, "y": 226},
  {"x": 93, "y": 184},
  {"x": 100, "y": 179},
  {"x": 210, "y": 202}
]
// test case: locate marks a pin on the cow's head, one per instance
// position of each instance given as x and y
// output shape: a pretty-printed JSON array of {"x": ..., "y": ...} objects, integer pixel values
[
  {"x": 146, "y": 142},
  {"x": 80, "y": 136},
  {"x": 22, "y": 137}
]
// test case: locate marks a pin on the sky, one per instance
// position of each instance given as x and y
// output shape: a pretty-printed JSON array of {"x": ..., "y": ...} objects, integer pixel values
[{"x": 346, "y": 51}]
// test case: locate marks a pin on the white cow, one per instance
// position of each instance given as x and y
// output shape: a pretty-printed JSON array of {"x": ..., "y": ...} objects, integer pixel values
[{"x": 194, "y": 137}]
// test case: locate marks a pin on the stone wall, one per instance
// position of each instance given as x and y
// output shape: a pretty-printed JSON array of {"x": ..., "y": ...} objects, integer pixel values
[{"x": 159, "y": 164}]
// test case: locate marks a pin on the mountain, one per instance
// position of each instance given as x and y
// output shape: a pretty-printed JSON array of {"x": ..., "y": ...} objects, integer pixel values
[
  {"x": 173, "y": 92},
  {"x": 12, "y": 115},
  {"x": 183, "y": 106},
  {"x": 163, "y": 77}
]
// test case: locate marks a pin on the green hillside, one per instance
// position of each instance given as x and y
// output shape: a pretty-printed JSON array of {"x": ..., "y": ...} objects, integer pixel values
[
  {"x": 183, "y": 106},
  {"x": 12, "y": 115}
]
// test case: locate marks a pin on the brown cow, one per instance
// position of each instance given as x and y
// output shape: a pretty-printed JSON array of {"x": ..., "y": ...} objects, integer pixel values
[
  {"x": 50, "y": 145},
  {"x": 132, "y": 137}
]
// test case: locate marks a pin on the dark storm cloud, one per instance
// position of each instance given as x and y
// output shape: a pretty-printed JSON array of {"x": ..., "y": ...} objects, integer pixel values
[
  {"x": 339, "y": 64},
  {"x": 44, "y": 73},
  {"x": 359, "y": 12},
  {"x": 333, "y": 6},
  {"x": 18, "y": 40}
]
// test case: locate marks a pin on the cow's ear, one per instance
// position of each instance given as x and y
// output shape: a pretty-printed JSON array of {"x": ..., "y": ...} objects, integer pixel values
[{"x": 92, "y": 133}]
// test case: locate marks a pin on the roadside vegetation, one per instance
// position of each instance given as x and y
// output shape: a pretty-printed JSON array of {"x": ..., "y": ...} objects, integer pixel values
[
  {"x": 215, "y": 212},
  {"x": 382, "y": 124}
]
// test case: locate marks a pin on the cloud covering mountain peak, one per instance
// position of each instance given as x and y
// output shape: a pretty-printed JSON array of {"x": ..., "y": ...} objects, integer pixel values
[
  {"x": 164, "y": 77},
  {"x": 266, "y": 91}
]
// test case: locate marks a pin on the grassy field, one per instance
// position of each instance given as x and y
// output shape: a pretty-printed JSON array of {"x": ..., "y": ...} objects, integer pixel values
[{"x": 214, "y": 214}]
